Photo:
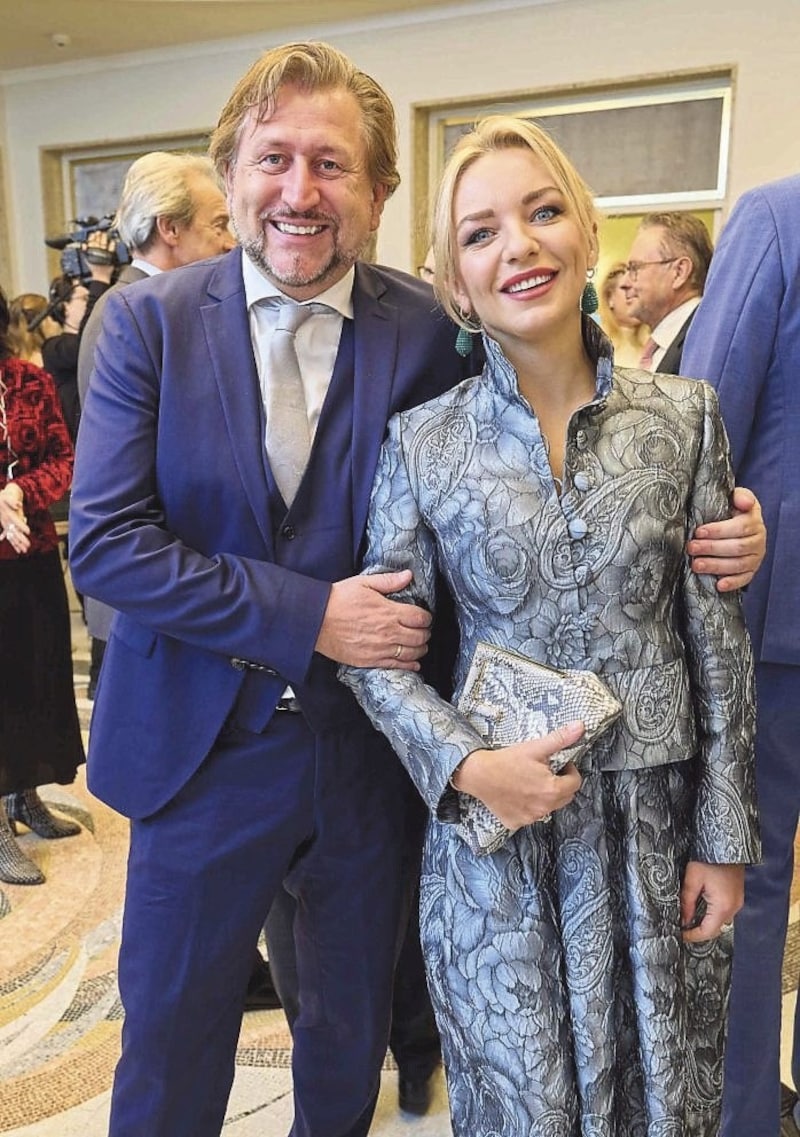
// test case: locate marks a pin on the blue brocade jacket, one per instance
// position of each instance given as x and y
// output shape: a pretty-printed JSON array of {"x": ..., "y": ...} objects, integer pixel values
[{"x": 596, "y": 577}]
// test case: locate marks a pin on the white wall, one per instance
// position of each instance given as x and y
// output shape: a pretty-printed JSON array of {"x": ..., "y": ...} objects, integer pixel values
[
  {"x": 6, "y": 272},
  {"x": 500, "y": 45}
]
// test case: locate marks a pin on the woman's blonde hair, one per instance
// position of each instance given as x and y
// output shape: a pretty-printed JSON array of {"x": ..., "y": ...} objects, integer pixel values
[
  {"x": 605, "y": 291},
  {"x": 499, "y": 132}
]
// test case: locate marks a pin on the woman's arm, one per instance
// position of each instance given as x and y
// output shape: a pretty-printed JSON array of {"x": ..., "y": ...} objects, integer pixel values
[
  {"x": 721, "y": 673},
  {"x": 50, "y": 474},
  {"x": 431, "y": 737}
]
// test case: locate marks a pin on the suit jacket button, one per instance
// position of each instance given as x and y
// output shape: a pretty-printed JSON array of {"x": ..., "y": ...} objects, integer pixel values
[{"x": 288, "y": 532}]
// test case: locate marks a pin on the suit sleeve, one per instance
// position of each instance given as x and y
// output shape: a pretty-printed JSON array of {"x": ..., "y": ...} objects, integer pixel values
[
  {"x": 428, "y": 733},
  {"x": 89, "y": 333},
  {"x": 124, "y": 552},
  {"x": 732, "y": 336},
  {"x": 721, "y": 672}
]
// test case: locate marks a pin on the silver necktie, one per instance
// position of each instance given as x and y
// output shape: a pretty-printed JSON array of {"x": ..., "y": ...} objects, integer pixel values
[{"x": 288, "y": 438}]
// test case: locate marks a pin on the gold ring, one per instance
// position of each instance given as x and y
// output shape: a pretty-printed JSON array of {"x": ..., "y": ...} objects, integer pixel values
[{"x": 398, "y": 651}]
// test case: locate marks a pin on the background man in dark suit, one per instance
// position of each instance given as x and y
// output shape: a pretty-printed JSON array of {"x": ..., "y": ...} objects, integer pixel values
[
  {"x": 171, "y": 212},
  {"x": 745, "y": 340},
  {"x": 666, "y": 272},
  {"x": 220, "y": 727}
]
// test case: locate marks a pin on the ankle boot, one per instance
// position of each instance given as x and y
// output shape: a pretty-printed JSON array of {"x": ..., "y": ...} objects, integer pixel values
[
  {"x": 15, "y": 867},
  {"x": 29, "y": 808}
]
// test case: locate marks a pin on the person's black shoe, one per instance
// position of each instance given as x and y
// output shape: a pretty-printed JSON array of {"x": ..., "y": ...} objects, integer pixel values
[
  {"x": 789, "y": 1126},
  {"x": 414, "y": 1095},
  {"x": 261, "y": 994}
]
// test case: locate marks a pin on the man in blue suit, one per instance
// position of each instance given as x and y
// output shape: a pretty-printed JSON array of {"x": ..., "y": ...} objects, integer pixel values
[
  {"x": 220, "y": 727},
  {"x": 745, "y": 339}
]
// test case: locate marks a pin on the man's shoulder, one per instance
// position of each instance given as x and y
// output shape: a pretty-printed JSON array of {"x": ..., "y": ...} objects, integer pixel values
[
  {"x": 215, "y": 276},
  {"x": 407, "y": 299},
  {"x": 782, "y": 191},
  {"x": 128, "y": 274},
  {"x": 762, "y": 210},
  {"x": 395, "y": 286}
]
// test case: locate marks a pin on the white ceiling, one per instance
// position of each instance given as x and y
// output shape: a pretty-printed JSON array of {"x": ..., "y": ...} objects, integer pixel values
[{"x": 38, "y": 33}]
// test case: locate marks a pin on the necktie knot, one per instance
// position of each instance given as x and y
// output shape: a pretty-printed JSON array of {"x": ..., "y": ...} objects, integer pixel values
[{"x": 292, "y": 316}]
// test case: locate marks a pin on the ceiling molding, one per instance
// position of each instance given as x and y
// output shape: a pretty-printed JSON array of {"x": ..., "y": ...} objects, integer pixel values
[{"x": 430, "y": 11}]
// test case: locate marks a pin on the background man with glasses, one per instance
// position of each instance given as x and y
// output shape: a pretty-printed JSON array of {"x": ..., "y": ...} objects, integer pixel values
[{"x": 664, "y": 281}]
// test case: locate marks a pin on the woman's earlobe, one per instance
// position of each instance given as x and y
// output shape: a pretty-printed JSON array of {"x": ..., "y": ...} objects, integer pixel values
[{"x": 460, "y": 298}]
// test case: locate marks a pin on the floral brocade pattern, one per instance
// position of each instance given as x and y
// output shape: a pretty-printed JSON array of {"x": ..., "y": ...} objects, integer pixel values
[
  {"x": 568, "y": 1003},
  {"x": 40, "y": 449}
]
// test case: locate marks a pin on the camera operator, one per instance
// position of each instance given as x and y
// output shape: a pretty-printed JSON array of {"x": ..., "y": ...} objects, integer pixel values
[{"x": 73, "y": 299}]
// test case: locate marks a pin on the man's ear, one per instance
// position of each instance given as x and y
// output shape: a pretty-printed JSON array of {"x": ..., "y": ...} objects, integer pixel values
[
  {"x": 168, "y": 230},
  {"x": 380, "y": 195},
  {"x": 227, "y": 181},
  {"x": 682, "y": 269}
]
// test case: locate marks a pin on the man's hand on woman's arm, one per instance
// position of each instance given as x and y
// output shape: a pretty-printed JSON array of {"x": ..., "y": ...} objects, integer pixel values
[{"x": 734, "y": 549}]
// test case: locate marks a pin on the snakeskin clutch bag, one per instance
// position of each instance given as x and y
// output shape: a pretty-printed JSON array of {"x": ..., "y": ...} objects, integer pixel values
[{"x": 510, "y": 698}]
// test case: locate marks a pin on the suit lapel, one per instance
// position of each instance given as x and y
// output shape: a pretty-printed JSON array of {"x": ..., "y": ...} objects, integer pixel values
[
  {"x": 671, "y": 363},
  {"x": 227, "y": 334},
  {"x": 376, "y": 339}
]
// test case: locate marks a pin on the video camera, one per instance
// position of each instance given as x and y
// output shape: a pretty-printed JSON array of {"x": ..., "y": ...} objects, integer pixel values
[{"x": 76, "y": 258}]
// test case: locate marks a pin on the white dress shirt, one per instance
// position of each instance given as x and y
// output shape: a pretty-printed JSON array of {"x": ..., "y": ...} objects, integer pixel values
[
  {"x": 317, "y": 340},
  {"x": 145, "y": 266}
]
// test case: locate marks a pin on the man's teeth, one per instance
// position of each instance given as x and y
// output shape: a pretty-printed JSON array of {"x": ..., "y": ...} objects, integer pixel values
[
  {"x": 299, "y": 230},
  {"x": 531, "y": 282}
]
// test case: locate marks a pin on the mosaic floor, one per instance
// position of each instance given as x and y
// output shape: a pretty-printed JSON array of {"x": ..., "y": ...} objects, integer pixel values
[{"x": 60, "y": 1016}]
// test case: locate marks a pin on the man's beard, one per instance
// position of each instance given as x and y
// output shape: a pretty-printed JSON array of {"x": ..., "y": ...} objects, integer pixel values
[
  {"x": 339, "y": 261},
  {"x": 293, "y": 277}
]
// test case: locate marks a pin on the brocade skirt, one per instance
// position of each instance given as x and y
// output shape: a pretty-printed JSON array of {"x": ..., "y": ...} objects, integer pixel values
[{"x": 568, "y": 1003}]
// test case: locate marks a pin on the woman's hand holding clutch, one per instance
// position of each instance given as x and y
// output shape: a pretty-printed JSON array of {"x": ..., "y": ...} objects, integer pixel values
[{"x": 516, "y": 782}]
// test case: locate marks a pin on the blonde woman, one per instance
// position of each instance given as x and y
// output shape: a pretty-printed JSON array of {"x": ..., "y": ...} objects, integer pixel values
[
  {"x": 627, "y": 334},
  {"x": 580, "y": 972}
]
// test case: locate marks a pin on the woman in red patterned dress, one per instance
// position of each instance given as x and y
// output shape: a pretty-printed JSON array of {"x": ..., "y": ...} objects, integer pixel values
[{"x": 40, "y": 738}]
